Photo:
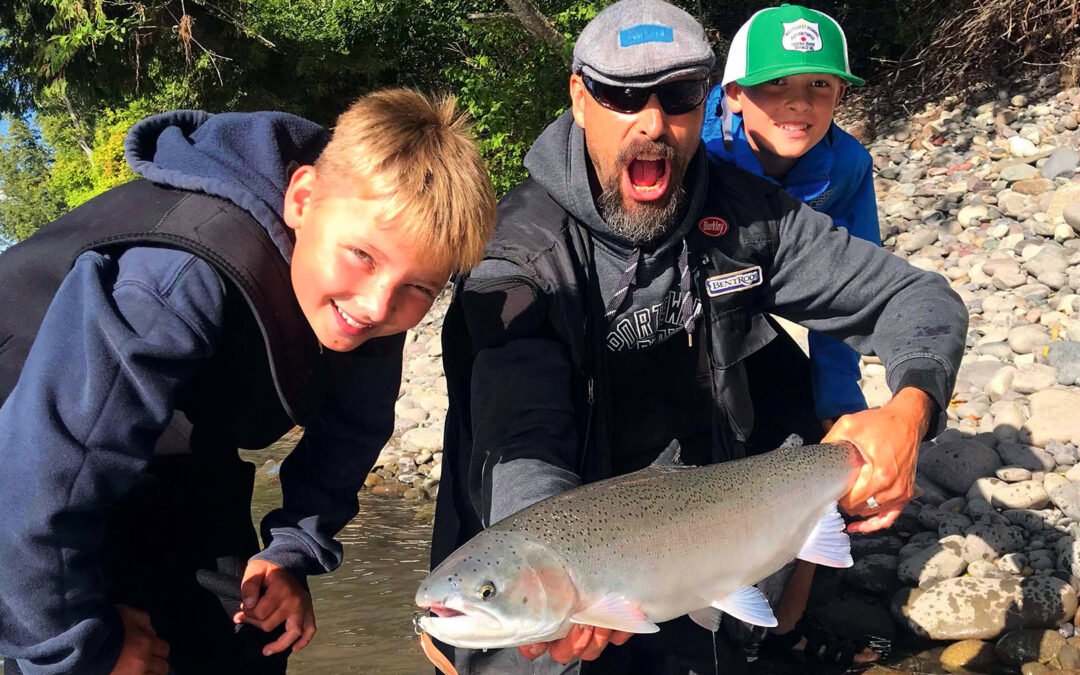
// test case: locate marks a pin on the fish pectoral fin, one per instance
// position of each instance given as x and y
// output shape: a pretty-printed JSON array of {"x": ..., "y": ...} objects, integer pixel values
[
  {"x": 747, "y": 604},
  {"x": 828, "y": 544},
  {"x": 616, "y": 612},
  {"x": 707, "y": 617}
]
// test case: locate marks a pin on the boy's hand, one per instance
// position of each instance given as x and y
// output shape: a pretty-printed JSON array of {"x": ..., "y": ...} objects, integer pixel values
[
  {"x": 270, "y": 595},
  {"x": 582, "y": 642},
  {"x": 142, "y": 651},
  {"x": 888, "y": 438}
]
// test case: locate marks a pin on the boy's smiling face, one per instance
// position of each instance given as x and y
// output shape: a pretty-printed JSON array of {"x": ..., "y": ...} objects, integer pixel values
[
  {"x": 787, "y": 116},
  {"x": 356, "y": 273}
]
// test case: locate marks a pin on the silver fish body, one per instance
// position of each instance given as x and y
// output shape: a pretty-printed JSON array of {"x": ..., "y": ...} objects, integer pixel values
[{"x": 639, "y": 549}]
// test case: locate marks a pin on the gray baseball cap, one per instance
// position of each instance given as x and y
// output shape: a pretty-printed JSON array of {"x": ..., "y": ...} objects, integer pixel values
[{"x": 641, "y": 43}]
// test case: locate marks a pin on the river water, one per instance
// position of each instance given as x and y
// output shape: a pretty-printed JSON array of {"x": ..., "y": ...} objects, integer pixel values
[{"x": 364, "y": 609}]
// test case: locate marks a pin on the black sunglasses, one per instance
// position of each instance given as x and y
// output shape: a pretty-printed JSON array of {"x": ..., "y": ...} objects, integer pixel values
[{"x": 676, "y": 98}]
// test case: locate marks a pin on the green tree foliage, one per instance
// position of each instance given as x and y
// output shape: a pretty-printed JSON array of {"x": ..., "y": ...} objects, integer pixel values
[
  {"x": 87, "y": 69},
  {"x": 27, "y": 200}
]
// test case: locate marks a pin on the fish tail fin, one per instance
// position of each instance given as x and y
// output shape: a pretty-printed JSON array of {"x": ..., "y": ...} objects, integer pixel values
[{"x": 828, "y": 544}]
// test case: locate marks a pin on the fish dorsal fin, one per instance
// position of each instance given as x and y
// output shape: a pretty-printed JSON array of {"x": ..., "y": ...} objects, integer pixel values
[
  {"x": 615, "y": 612},
  {"x": 828, "y": 544},
  {"x": 707, "y": 617},
  {"x": 747, "y": 604}
]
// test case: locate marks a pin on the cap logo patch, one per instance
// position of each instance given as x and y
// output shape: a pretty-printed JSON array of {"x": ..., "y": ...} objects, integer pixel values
[
  {"x": 801, "y": 36},
  {"x": 645, "y": 32},
  {"x": 713, "y": 226},
  {"x": 734, "y": 281}
]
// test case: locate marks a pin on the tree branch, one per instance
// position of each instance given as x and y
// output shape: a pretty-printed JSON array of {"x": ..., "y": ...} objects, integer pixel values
[
  {"x": 80, "y": 137},
  {"x": 538, "y": 25}
]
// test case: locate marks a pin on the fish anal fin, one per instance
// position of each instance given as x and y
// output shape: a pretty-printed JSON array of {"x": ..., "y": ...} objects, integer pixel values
[
  {"x": 616, "y": 612},
  {"x": 828, "y": 544},
  {"x": 747, "y": 604},
  {"x": 707, "y": 617}
]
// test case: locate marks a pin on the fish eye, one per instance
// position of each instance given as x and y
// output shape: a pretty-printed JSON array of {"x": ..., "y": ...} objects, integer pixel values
[{"x": 486, "y": 590}]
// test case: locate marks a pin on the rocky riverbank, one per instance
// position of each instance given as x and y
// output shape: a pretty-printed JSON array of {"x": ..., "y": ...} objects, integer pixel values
[{"x": 988, "y": 195}]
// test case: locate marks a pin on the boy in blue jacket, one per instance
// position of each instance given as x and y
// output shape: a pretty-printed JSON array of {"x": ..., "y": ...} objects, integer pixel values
[
  {"x": 260, "y": 275},
  {"x": 787, "y": 69}
]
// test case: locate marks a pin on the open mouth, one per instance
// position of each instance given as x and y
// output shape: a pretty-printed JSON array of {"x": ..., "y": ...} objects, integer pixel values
[
  {"x": 794, "y": 129},
  {"x": 444, "y": 612},
  {"x": 647, "y": 178},
  {"x": 351, "y": 323}
]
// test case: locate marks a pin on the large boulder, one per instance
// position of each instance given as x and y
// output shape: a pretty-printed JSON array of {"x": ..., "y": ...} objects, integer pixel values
[{"x": 981, "y": 608}]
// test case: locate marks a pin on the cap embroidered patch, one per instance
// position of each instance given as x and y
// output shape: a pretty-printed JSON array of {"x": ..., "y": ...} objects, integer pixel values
[
  {"x": 645, "y": 32},
  {"x": 734, "y": 281},
  {"x": 801, "y": 36},
  {"x": 713, "y": 226}
]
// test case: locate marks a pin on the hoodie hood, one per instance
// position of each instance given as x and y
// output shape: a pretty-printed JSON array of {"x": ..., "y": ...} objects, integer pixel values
[
  {"x": 245, "y": 158},
  {"x": 647, "y": 293}
]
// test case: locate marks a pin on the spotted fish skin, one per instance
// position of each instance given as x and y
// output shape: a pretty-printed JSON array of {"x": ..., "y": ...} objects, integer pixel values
[{"x": 670, "y": 540}]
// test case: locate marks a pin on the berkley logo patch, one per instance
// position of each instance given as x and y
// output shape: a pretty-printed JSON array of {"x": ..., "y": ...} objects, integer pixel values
[
  {"x": 714, "y": 226},
  {"x": 733, "y": 281},
  {"x": 801, "y": 36}
]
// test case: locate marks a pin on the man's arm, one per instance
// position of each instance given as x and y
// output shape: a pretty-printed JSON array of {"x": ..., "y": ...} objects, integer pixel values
[
  {"x": 525, "y": 439},
  {"x": 878, "y": 304},
  {"x": 97, "y": 388}
]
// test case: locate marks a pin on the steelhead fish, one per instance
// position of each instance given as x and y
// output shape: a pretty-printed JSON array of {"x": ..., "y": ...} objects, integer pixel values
[{"x": 632, "y": 551}]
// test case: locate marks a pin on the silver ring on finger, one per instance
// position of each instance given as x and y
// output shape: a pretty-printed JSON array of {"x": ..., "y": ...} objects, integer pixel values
[{"x": 872, "y": 503}]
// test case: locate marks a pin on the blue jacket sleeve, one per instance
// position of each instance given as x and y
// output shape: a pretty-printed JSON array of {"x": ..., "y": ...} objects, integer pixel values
[
  {"x": 834, "y": 367},
  {"x": 119, "y": 339},
  {"x": 323, "y": 474}
]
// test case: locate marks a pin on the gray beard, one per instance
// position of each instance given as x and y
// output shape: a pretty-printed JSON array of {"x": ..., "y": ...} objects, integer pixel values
[{"x": 650, "y": 221}]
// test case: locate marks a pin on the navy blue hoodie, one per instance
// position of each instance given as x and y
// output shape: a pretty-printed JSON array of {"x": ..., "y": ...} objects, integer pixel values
[{"x": 124, "y": 333}]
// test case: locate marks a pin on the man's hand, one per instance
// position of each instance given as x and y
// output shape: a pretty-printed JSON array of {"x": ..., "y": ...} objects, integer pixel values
[
  {"x": 142, "y": 651},
  {"x": 888, "y": 438},
  {"x": 271, "y": 595},
  {"x": 582, "y": 642}
]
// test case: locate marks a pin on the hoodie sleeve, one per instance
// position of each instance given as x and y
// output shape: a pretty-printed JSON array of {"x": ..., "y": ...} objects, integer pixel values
[
  {"x": 524, "y": 433},
  {"x": 98, "y": 386},
  {"x": 323, "y": 474},
  {"x": 871, "y": 300}
]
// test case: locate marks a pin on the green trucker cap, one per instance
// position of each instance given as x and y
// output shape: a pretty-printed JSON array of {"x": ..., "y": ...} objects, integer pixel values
[{"x": 787, "y": 40}]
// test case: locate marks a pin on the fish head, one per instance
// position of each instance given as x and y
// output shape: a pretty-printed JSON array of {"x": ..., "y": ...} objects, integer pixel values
[{"x": 501, "y": 589}]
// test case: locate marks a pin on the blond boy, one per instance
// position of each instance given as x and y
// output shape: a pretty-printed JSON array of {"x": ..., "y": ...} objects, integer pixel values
[{"x": 261, "y": 276}]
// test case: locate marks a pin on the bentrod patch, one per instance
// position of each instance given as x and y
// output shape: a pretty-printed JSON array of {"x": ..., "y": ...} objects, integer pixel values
[{"x": 733, "y": 281}]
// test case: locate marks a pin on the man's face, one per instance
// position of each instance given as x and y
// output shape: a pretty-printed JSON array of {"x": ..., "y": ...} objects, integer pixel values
[
  {"x": 355, "y": 272},
  {"x": 639, "y": 159},
  {"x": 787, "y": 116}
]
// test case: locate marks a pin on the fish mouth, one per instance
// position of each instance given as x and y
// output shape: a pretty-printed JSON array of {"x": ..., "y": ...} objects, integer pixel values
[{"x": 443, "y": 612}]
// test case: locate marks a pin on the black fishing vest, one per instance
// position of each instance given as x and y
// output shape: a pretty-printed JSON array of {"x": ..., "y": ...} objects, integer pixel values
[
  {"x": 267, "y": 372},
  {"x": 731, "y": 254}
]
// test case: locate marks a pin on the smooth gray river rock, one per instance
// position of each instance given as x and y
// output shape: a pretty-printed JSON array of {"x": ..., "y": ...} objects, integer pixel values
[
  {"x": 1028, "y": 646},
  {"x": 1028, "y": 494},
  {"x": 989, "y": 542},
  {"x": 956, "y": 465},
  {"x": 932, "y": 565}
]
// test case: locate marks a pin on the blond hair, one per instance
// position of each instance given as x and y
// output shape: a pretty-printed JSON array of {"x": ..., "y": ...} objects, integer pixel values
[{"x": 420, "y": 155}]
